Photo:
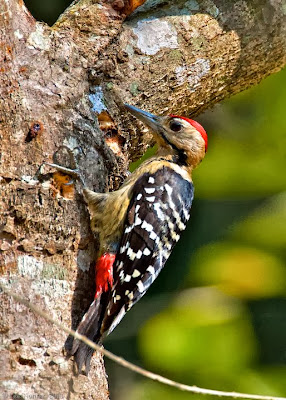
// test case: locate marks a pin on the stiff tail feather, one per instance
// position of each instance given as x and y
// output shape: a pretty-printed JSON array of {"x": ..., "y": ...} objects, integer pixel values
[{"x": 89, "y": 327}]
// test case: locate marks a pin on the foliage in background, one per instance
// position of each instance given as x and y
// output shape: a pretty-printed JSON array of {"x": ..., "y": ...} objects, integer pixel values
[{"x": 247, "y": 144}]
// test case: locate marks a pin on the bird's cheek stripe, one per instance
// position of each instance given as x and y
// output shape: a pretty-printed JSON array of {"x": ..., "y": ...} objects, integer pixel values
[{"x": 104, "y": 273}]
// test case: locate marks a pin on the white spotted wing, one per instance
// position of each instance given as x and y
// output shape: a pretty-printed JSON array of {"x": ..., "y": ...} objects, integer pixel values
[{"x": 157, "y": 214}]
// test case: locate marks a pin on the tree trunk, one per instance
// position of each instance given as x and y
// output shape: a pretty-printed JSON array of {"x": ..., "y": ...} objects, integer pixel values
[{"x": 65, "y": 86}]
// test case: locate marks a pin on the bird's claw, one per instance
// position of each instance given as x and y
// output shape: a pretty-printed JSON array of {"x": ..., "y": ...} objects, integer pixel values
[
  {"x": 69, "y": 171},
  {"x": 73, "y": 171}
]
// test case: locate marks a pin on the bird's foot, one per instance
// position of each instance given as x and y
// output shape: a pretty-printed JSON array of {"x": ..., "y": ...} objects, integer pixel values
[{"x": 73, "y": 171}]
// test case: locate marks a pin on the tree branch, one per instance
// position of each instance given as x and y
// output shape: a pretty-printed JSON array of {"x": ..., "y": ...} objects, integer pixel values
[{"x": 188, "y": 56}]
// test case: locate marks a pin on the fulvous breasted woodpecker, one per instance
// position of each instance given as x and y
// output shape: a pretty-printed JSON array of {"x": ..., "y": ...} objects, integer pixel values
[{"x": 139, "y": 224}]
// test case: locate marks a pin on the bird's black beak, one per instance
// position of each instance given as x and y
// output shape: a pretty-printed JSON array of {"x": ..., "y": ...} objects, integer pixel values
[{"x": 152, "y": 121}]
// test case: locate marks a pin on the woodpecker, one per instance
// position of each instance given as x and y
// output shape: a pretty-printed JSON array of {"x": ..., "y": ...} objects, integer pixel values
[{"x": 139, "y": 224}]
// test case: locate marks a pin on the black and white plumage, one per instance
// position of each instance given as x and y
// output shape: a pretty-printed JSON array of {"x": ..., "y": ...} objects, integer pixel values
[
  {"x": 139, "y": 224},
  {"x": 157, "y": 214}
]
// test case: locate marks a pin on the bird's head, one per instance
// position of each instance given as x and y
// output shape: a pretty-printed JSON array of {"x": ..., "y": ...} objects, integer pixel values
[{"x": 178, "y": 136}]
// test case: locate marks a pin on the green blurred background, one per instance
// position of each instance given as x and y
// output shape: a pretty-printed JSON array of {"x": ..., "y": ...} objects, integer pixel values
[{"x": 216, "y": 316}]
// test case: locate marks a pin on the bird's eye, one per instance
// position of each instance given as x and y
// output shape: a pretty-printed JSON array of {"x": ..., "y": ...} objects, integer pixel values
[{"x": 175, "y": 126}]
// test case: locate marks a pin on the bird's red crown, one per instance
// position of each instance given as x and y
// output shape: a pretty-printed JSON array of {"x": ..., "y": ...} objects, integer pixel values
[{"x": 197, "y": 126}]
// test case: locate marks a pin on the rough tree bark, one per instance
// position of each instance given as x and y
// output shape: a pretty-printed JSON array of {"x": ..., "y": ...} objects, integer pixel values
[{"x": 65, "y": 85}]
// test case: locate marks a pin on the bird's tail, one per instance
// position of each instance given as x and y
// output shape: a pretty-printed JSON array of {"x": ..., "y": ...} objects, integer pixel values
[{"x": 89, "y": 327}]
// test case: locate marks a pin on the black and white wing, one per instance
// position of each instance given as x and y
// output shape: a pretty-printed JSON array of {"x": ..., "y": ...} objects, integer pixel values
[{"x": 157, "y": 214}]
